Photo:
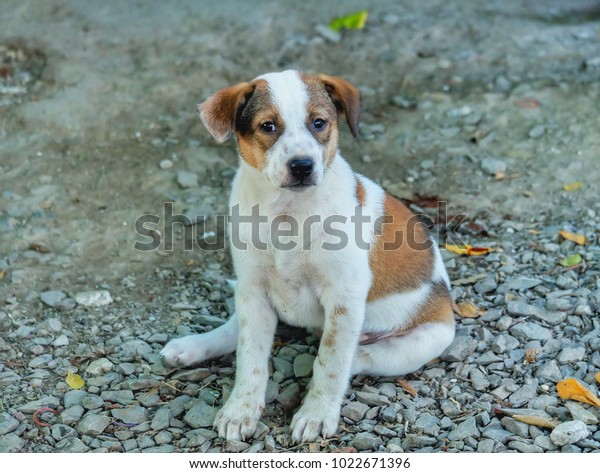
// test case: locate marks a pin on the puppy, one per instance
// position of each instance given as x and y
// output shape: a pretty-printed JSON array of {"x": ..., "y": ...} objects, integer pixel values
[{"x": 328, "y": 249}]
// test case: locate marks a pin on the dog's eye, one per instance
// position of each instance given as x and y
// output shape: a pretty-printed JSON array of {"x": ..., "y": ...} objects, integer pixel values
[
  {"x": 268, "y": 127},
  {"x": 319, "y": 124}
]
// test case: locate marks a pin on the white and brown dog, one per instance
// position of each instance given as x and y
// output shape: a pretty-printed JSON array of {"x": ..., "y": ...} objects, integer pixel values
[{"x": 370, "y": 278}]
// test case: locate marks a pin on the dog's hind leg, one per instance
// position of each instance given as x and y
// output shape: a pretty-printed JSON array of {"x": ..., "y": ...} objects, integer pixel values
[
  {"x": 193, "y": 349},
  {"x": 403, "y": 354}
]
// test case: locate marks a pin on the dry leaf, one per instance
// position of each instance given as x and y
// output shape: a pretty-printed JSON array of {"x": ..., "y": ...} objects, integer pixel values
[
  {"x": 468, "y": 310},
  {"x": 469, "y": 280},
  {"x": 536, "y": 420},
  {"x": 2, "y": 273},
  {"x": 531, "y": 355},
  {"x": 407, "y": 387},
  {"x": 469, "y": 250},
  {"x": 574, "y": 237},
  {"x": 573, "y": 389},
  {"x": 572, "y": 186},
  {"x": 528, "y": 103},
  {"x": 74, "y": 380},
  {"x": 598, "y": 376}
]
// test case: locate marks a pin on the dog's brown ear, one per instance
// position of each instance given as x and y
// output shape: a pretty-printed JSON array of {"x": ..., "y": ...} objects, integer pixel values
[
  {"x": 218, "y": 112},
  {"x": 346, "y": 98}
]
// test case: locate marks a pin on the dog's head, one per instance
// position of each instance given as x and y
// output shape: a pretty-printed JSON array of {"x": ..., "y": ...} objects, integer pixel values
[{"x": 285, "y": 122}]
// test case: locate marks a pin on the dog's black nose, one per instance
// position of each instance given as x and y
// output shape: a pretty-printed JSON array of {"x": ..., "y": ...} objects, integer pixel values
[{"x": 301, "y": 168}]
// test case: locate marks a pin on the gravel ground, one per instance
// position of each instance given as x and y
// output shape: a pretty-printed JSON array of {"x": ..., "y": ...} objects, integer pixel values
[{"x": 492, "y": 108}]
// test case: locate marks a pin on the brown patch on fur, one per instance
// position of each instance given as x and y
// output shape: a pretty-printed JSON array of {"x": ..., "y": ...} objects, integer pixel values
[
  {"x": 329, "y": 340},
  {"x": 340, "y": 310},
  {"x": 436, "y": 309},
  {"x": 256, "y": 371},
  {"x": 361, "y": 195},
  {"x": 243, "y": 323},
  {"x": 345, "y": 97},
  {"x": 396, "y": 261}
]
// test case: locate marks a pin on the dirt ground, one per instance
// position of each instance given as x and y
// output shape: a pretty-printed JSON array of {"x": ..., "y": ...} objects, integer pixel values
[{"x": 491, "y": 106}]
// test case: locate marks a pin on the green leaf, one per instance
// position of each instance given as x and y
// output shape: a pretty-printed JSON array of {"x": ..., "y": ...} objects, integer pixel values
[
  {"x": 353, "y": 21},
  {"x": 571, "y": 260}
]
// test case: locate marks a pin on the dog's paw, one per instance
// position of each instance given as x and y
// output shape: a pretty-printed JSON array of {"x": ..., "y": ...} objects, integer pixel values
[
  {"x": 312, "y": 420},
  {"x": 185, "y": 351},
  {"x": 237, "y": 419}
]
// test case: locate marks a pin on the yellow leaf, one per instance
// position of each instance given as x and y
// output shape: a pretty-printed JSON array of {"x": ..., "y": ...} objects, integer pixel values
[
  {"x": 573, "y": 389},
  {"x": 1, "y": 275},
  {"x": 598, "y": 376},
  {"x": 469, "y": 250},
  {"x": 572, "y": 186},
  {"x": 468, "y": 310},
  {"x": 74, "y": 380},
  {"x": 353, "y": 21},
  {"x": 574, "y": 237},
  {"x": 536, "y": 420}
]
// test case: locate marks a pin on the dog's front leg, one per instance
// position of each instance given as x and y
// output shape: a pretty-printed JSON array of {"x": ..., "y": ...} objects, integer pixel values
[
  {"x": 257, "y": 323},
  {"x": 320, "y": 411}
]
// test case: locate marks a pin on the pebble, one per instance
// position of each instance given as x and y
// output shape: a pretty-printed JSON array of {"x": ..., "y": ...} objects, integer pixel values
[
  {"x": 461, "y": 347},
  {"x": 493, "y": 166},
  {"x": 485, "y": 446},
  {"x": 187, "y": 179},
  {"x": 62, "y": 431},
  {"x": 428, "y": 424},
  {"x": 504, "y": 343},
  {"x": 303, "y": 365},
  {"x": 71, "y": 415},
  {"x": 11, "y": 443},
  {"x": 486, "y": 285},
  {"x": 71, "y": 445},
  {"x": 131, "y": 414},
  {"x": 7, "y": 423},
  {"x": 235, "y": 446},
  {"x": 549, "y": 372},
  {"x": 569, "y": 433},
  {"x": 524, "y": 447},
  {"x": 92, "y": 401},
  {"x": 530, "y": 331},
  {"x": 578, "y": 412},
  {"x": 290, "y": 396},
  {"x": 355, "y": 411},
  {"x": 134, "y": 349},
  {"x": 32, "y": 406},
  {"x": 161, "y": 419},
  {"x": 571, "y": 354},
  {"x": 93, "y": 424},
  {"x": 166, "y": 164},
  {"x": 93, "y": 298},
  {"x": 467, "y": 428},
  {"x": 99, "y": 366},
  {"x": 521, "y": 284},
  {"x": 537, "y": 131},
  {"x": 52, "y": 298},
  {"x": 200, "y": 415},
  {"x": 372, "y": 399},
  {"x": 524, "y": 394},
  {"x": 328, "y": 33},
  {"x": 366, "y": 441},
  {"x": 522, "y": 309}
]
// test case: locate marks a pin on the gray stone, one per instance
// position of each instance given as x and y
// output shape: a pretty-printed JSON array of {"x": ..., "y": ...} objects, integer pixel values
[
  {"x": 479, "y": 380},
  {"x": 74, "y": 397},
  {"x": 93, "y": 424},
  {"x": 122, "y": 396},
  {"x": 428, "y": 424},
  {"x": 524, "y": 447},
  {"x": 578, "y": 412},
  {"x": 355, "y": 411},
  {"x": 133, "y": 349},
  {"x": 93, "y": 298},
  {"x": 487, "y": 285},
  {"x": 61, "y": 341},
  {"x": 327, "y": 33},
  {"x": 569, "y": 433},
  {"x": 161, "y": 419},
  {"x": 71, "y": 415},
  {"x": 71, "y": 445},
  {"x": 160, "y": 449},
  {"x": 283, "y": 366},
  {"x": 41, "y": 361},
  {"x": 544, "y": 442},
  {"x": 461, "y": 347},
  {"x": 290, "y": 396},
  {"x": 235, "y": 446},
  {"x": 412, "y": 442},
  {"x": 537, "y": 131},
  {"x": 200, "y": 415},
  {"x": 163, "y": 437},
  {"x": 303, "y": 365},
  {"x": 99, "y": 367},
  {"x": 560, "y": 303},
  {"x": 187, "y": 179},
  {"x": 389, "y": 390},
  {"x": 52, "y": 298},
  {"x": 485, "y": 446},
  {"x": 11, "y": 443},
  {"x": 131, "y": 414},
  {"x": 449, "y": 408},
  {"x": 504, "y": 343},
  {"x": 518, "y": 428},
  {"x": 493, "y": 166},
  {"x": 8, "y": 377},
  {"x": 523, "y": 283},
  {"x": 497, "y": 434},
  {"x": 467, "y": 428},
  {"x": 548, "y": 372},
  {"x": 46, "y": 401},
  {"x": 524, "y": 394},
  {"x": 372, "y": 399},
  {"x": 530, "y": 331},
  {"x": 92, "y": 401},
  {"x": 7, "y": 423},
  {"x": 571, "y": 354},
  {"x": 522, "y": 309},
  {"x": 62, "y": 431},
  {"x": 366, "y": 441}
]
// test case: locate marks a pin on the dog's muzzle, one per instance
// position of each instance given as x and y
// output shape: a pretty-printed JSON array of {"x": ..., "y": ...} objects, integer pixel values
[{"x": 301, "y": 173}]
